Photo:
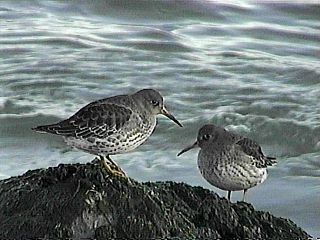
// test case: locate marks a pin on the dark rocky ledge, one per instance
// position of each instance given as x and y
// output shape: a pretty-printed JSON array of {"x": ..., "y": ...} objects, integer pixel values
[{"x": 83, "y": 201}]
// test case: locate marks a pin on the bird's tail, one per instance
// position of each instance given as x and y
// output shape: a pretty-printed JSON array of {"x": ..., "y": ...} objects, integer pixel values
[
  {"x": 46, "y": 128},
  {"x": 271, "y": 161},
  {"x": 61, "y": 128}
]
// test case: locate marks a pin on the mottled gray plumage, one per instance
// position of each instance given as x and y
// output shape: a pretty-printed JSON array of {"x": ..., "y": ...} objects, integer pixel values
[
  {"x": 112, "y": 125},
  {"x": 230, "y": 161}
]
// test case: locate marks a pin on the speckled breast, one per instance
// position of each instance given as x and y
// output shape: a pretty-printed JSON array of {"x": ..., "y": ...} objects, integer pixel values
[
  {"x": 229, "y": 174},
  {"x": 127, "y": 138}
]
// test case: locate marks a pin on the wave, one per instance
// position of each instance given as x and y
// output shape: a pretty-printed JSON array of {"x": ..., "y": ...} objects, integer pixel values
[{"x": 305, "y": 165}]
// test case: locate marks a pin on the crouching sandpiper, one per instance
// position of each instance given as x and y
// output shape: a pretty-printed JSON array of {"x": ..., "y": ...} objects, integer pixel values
[
  {"x": 230, "y": 161},
  {"x": 112, "y": 125}
]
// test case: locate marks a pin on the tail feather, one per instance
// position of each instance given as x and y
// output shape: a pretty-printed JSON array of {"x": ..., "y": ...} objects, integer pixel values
[
  {"x": 57, "y": 128},
  {"x": 45, "y": 128},
  {"x": 271, "y": 160}
]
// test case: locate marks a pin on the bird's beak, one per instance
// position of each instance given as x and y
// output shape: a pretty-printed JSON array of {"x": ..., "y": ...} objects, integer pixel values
[
  {"x": 188, "y": 148},
  {"x": 165, "y": 112}
]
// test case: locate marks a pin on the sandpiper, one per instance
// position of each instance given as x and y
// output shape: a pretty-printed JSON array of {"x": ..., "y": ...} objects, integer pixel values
[
  {"x": 112, "y": 125},
  {"x": 230, "y": 161}
]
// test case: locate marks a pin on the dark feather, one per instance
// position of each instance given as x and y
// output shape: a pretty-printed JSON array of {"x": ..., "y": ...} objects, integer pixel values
[
  {"x": 253, "y": 149},
  {"x": 94, "y": 120}
]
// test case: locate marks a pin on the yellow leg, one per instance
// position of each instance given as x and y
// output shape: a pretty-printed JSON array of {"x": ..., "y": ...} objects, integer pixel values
[{"x": 112, "y": 168}]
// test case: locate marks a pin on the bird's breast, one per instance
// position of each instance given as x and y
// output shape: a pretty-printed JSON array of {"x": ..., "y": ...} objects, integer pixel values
[{"x": 223, "y": 170}]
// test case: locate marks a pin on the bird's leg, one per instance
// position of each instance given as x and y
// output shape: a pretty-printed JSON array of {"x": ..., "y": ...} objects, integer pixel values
[
  {"x": 104, "y": 164},
  {"x": 244, "y": 195},
  {"x": 114, "y": 164},
  {"x": 112, "y": 168},
  {"x": 229, "y": 195}
]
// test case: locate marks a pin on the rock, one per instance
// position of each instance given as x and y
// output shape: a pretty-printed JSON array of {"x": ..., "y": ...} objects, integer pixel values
[{"x": 84, "y": 201}]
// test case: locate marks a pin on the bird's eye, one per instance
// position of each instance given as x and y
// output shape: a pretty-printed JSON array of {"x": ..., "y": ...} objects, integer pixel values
[
  {"x": 155, "y": 103},
  {"x": 206, "y": 137}
]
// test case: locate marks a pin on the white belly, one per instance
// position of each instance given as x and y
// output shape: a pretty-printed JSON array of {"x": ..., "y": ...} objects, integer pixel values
[
  {"x": 232, "y": 176},
  {"x": 120, "y": 142},
  {"x": 235, "y": 182}
]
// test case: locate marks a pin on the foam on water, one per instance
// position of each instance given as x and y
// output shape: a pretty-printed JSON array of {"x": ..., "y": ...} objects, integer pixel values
[{"x": 253, "y": 68}]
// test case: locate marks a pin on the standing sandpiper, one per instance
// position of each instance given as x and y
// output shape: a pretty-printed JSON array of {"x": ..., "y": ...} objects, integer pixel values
[
  {"x": 229, "y": 161},
  {"x": 112, "y": 125}
]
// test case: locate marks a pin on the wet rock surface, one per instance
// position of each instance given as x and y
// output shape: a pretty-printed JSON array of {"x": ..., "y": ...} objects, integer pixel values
[{"x": 84, "y": 201}]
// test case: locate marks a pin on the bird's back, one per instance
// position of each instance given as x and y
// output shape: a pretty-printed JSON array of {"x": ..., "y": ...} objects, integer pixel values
[
  {"x": 107, "y": 114},
  {"x": 107, "y": 126},
  {"x": 236, "y": 149}
]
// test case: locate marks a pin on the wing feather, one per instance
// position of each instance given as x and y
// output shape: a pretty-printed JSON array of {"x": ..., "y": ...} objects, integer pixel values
[
  {"x": 251, "y": 148},
  {"x": 94, "y": 120}
]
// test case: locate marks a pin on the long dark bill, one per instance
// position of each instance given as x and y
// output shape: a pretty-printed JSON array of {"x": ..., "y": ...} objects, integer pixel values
[
  {"x": 170, "y": 116},
  {"x": 188, "y": 148}
]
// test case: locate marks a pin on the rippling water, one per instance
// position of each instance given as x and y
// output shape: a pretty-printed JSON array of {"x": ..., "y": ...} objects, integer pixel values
[{"x": 253, "y": 68}]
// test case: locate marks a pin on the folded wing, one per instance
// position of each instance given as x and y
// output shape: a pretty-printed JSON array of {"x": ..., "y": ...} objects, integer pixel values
[
  {"x": 251, "y": 148},
  {"x": 94, "y": 120}
]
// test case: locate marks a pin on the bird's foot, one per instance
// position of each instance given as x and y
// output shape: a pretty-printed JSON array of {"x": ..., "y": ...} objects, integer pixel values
[{"x": 113, "y": 170}]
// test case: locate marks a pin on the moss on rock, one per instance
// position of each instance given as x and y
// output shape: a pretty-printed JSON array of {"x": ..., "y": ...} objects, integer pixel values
[{"x": 83, "y": 201}]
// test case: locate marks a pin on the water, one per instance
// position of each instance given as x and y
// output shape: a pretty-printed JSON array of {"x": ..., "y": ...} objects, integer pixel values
[{"x": 253, "y": 68}]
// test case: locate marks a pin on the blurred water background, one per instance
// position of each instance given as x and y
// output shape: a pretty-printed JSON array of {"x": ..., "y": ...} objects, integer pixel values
[{"x": 252, "y": 67}]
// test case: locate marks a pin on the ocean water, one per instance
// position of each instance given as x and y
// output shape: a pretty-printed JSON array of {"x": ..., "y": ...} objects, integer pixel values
[{"x": 251, "y": 67}]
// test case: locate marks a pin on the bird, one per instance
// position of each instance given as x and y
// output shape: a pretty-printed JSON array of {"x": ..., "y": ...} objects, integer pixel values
[
  {"x": 230, "y": 161},
  {"x": 112, "y": 125}
]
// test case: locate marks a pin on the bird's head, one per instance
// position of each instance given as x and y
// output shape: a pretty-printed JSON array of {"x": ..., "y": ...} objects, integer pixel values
[
  {"x": 154, "y": 103},
  {"x": 207, "y": 134}
]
